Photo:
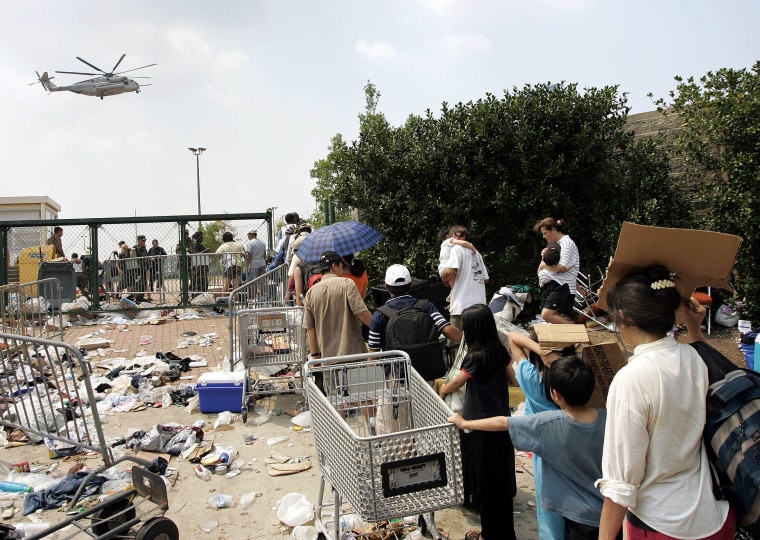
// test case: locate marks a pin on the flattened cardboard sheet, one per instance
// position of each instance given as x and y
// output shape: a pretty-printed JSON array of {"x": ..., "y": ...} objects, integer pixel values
[
  {"x": 699, "y": 258},
  {"x": 605, "y": 360},
  {"x": 554, "y": 337}
]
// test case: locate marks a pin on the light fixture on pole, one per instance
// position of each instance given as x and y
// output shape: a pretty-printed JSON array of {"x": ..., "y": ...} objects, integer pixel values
[{"x": 197, "y": 152}]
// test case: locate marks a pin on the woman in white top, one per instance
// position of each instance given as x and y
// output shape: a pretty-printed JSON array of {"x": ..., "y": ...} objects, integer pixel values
[
  {"x": 557, "y": 297},
  {"x": 654, "y": 464}
]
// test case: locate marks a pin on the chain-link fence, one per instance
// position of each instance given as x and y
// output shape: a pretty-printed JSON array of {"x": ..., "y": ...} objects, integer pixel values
[{"x": 171, "y": 261}]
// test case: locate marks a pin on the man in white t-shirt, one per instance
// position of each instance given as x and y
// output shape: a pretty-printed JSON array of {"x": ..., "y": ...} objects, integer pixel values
[
  {"x": 255, "y": 256},
  {"x": 466, "y": 274}
]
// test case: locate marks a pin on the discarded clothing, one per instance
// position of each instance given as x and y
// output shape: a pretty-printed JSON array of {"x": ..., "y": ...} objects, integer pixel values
[{"x": 62, "y": 492}]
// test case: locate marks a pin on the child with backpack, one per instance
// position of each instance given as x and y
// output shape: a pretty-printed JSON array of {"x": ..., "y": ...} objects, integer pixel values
[{"x": 655, "y": 467}]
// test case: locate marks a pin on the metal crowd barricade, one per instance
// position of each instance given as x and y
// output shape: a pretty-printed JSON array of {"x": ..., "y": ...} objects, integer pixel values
[
  {"x": 382, "y": 442},
  {"x": 159, "y": 278},
  {"x": 27, "y": 308},
  {"x": 270, "y": 341},
  {"x": 267, "y": 290},
  {"x": 42, "y": 396}
]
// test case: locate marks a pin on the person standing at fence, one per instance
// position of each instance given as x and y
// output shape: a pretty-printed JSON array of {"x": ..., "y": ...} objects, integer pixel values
[
  {"x": 157, "y": 255},
  {"x": 198, "y": 265},
  {"x": 140, "y": 252},
  {"x": 126, "y": 272},
  {"x": 558, "y": 295},
  {"x": 255, "y": 256},
  {"x": 231, "y": 253},
  {"x": 55, "y": 241},
  {"x": 331, "y": 310}
]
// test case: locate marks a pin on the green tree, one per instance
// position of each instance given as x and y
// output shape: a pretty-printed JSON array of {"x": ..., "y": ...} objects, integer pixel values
[
  {"x": 720, "y": 144},
  {"x": 496, "y": 166}
]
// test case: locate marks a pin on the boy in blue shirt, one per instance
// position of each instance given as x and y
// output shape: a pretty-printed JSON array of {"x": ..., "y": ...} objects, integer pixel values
[{"x": 569, "y": 442}]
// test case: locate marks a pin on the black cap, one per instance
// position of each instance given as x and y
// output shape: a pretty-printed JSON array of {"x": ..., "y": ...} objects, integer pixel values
[
  {"x": 140, "y": 237},
  {"x": 329, "y": 258}
]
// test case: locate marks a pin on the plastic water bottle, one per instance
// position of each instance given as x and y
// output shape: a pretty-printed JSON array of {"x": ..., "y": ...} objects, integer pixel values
[
  {"x": 222, "y": 500},
  {"x": 247, "y": 500},
  {"x": 202, "y": 472},
  {"x": 15, "y": 487}
]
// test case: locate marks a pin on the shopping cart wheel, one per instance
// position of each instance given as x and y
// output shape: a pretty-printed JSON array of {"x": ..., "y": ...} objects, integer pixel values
[
  {"x": 113, "y": 515},
  {"x": 244, "y": 414},
  {"x": 160, "y": 528}
]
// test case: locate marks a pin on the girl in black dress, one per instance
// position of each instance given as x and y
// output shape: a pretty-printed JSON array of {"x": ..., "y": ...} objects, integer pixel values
[{"x": 488, "y": 458}]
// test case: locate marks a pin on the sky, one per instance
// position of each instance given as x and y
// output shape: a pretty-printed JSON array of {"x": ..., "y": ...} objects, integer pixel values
[{"x": 265, "y": 84}]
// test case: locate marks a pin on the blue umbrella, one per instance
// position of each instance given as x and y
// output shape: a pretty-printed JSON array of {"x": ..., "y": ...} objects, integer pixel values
[{"x": 344, "y": 237}]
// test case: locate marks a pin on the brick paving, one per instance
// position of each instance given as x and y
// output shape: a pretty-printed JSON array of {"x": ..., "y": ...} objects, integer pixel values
[{"x": 164, "y": 337}]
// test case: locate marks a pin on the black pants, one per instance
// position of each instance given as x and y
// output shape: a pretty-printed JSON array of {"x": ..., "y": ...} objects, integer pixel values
[{"x": 488, "y": 467}]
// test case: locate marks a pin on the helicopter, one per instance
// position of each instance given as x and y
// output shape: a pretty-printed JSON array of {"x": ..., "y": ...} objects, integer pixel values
[{"x": 109, "y": 84}]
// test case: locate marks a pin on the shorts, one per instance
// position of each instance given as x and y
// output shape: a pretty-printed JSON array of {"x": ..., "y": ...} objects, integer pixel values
[
  {"x": 557, "y": 298},
  {"x": 232, "y": 272}
]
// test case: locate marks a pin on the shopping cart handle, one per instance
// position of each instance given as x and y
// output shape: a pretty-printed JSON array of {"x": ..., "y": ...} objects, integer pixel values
[{"x": 350, "y": 358}]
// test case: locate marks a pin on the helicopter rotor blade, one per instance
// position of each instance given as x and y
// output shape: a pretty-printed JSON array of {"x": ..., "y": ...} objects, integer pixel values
[
  {"x": 79, "y": 73},
  {"x": 135, "y": 69},
  {"x": 141, "y": 77},
  {"x": 119, "y": 62},
  {"x": 93, "y": 67}
]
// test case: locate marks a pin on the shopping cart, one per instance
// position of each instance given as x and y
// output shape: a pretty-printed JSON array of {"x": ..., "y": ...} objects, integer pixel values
[
  {"x": 45, "y": 391},
  {"x": 267, "y": 290},
  {"x": 271, "y": 340},
  {"x": 383, "y": 444}
]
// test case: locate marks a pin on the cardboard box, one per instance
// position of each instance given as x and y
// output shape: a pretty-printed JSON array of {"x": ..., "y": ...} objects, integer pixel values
[
  {"x": 699, "y": 258},
  {"x": 605, "y": 360},
  {"x": 554, "y": 337},
  {"x": 220, "y": 391}
]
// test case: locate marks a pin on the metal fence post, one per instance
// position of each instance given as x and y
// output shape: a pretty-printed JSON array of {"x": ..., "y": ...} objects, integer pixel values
[{"x": 183, "y": 267}]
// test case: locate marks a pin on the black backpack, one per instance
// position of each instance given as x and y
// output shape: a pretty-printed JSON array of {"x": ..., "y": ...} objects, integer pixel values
[
  {"x": 413, "y": 331},
  {"x": 732, "y": 434}
]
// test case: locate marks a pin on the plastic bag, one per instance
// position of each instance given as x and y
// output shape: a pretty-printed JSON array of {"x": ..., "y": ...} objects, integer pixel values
[
  {"x": 302, "y": 419},
  {"x": 726, "y": 316},
  {"x": 295, "y": 509},
  {"x": 455, "y": 400}
]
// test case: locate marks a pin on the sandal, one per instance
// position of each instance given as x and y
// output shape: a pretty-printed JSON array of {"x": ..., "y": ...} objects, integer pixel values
[{"x": 472, "y": 535}]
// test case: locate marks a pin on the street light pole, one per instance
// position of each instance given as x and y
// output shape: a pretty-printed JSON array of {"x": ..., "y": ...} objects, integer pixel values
[{"x": 197, "y": 152}]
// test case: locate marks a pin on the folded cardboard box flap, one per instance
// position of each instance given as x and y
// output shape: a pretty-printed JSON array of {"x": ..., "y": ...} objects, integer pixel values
[
  {"x": 606, "y": 360},
  {"x": 698, "y": 258},
  {"x": 554, "y": 337}
]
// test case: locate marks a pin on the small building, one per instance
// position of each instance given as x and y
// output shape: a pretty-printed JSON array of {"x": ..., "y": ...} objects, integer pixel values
[{"x": 31, "y": 208}]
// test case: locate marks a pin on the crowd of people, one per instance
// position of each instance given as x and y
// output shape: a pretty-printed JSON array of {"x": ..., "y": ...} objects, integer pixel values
[{"x": 639, "y": 465}]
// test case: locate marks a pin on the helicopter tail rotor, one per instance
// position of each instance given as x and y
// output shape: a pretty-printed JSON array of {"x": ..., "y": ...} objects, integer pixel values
[{"x": 45, "y": 81}]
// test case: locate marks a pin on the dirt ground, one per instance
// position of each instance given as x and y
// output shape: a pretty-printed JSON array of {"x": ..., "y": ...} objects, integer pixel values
[{"x": 188, "y": 493}]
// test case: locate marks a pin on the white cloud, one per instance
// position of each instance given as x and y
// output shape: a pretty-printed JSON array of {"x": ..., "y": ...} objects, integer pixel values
[
  {"x": 188, "y": 42},
  {"x": 461, "y": 44},
  {"x": 232, "y": 60},
  {"x": 375, "y": 49}
]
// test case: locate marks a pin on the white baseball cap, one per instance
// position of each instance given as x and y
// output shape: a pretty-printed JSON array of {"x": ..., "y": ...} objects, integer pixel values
[{"x": 397, "y": 274}]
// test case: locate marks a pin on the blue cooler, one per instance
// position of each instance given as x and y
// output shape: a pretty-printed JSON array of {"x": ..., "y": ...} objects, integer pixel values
[{"x": 220, "y": 391}]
